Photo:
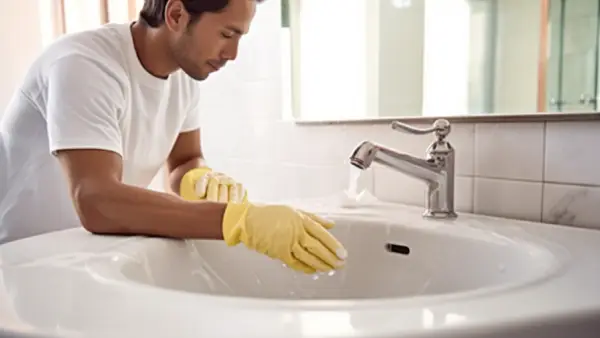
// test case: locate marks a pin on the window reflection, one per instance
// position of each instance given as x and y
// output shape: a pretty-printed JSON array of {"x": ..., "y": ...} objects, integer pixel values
[{"x": 59, "y": 17}]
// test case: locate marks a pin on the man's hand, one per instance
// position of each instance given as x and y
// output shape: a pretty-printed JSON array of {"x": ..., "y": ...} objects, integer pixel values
[{"x": 299, "y": 239}]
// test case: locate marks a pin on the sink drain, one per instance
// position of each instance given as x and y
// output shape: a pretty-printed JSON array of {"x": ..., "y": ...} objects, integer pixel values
[{"x": 397, "y": 248}]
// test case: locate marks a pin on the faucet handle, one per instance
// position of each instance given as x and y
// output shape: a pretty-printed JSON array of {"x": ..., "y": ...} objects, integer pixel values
[{"x": 441, "y": 128}]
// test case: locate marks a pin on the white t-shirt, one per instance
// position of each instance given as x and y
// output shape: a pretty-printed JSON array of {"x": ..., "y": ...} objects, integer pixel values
[{"x": 87, "y": 90}]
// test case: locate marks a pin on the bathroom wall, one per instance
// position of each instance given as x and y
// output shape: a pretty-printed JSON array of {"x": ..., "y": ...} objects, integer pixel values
[
  {"x": 19, "y": 26},
  {"x": 534, "y": 171}
]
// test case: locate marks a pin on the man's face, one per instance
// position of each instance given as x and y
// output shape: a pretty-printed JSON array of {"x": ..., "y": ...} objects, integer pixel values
[{"x": 207, "y": 44}]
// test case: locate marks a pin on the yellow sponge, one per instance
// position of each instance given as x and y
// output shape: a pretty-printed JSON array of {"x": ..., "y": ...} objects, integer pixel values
[
  {"x": 214, "y": 191},
  {"x": 187, "y": 187}
]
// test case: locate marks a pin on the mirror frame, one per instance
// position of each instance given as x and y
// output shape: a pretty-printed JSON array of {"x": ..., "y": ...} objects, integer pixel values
[
  {"x": 479, "y": 118},
  {"x": 294, "y": 24}
]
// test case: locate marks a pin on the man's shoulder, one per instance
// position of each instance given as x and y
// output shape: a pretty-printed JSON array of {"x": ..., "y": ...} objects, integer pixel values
[
  {"x": 107, "y": 38},
  {"x": 94, "y": 55},
  {"x": 102, "y": 46}
]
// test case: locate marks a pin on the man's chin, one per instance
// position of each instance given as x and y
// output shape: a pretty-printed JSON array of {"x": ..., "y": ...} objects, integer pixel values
[
  {"x": 197, "y": 76},
  {"x": 201, "y": 77}
]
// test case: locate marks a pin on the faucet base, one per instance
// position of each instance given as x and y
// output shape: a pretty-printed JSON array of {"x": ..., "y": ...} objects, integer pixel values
[{"x": 440, "y": 214}]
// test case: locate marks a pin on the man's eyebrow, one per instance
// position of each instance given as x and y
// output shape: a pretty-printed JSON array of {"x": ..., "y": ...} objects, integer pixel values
[{"x": 235, "y": 29}]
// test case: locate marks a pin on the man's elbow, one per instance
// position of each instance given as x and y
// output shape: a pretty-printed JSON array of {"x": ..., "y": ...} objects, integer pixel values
[{"x": 90, "y": 200}]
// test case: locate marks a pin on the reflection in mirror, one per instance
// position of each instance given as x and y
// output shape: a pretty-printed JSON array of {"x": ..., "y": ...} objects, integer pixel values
[{"x": 354, "y": 59}]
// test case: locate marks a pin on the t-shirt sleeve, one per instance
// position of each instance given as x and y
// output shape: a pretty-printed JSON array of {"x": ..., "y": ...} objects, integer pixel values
[
  {"x": 192, "y": 118},
  {"x": 85, "y": 100}
]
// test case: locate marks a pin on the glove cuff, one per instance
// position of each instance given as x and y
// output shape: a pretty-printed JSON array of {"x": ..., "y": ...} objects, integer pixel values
[
  {"x": 234, "y": 221},
  {"x": 187, "y": 186}
]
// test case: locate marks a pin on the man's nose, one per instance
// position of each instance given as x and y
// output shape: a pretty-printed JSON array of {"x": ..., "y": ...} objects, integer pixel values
[{"x": 231, "y": 51}]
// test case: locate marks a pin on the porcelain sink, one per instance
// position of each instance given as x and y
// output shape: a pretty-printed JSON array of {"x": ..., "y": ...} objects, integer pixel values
[
  {"x": 406, "y": 277},
  {"x": 387, "y": 260}
]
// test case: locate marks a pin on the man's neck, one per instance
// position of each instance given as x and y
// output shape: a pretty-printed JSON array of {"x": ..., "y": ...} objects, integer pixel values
[{"x": 152, "y": 50}]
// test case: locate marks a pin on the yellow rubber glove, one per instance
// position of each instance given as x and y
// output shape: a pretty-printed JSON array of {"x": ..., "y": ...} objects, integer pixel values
[
  {"x": 299, "y": 239},
  {"x": 204, "y": 184}
]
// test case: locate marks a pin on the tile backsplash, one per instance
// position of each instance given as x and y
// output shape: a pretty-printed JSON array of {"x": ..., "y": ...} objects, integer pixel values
[{"x": 533, "y": 171}]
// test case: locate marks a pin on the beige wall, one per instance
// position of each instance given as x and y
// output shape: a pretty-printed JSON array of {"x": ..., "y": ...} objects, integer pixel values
[{"x": 21, "y": 39}]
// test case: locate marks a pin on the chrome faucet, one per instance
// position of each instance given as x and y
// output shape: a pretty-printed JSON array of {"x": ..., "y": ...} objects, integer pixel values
[{"x": 436, "y": 169}]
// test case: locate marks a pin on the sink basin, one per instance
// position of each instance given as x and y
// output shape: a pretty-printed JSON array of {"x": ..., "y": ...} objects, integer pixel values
[
  {"x": 387, "y": 260},
  {"x": 405, "y": 277}
]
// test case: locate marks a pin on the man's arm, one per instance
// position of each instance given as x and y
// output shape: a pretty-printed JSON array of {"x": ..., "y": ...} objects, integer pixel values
[
  {"x": 83, "y": 115},
  {"x": 107, "y": 206},
  {"x": 186, "y": 155}
]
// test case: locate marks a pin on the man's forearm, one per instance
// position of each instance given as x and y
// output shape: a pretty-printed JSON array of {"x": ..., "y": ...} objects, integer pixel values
[
  {"x": 129, "y": 210},
  {"x": 177, "y": 173}
]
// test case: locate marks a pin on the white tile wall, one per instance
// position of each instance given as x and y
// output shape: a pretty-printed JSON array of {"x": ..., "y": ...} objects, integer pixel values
[
  {"x": 506, "y": 198},
  {"x": 573, "y": 153},
  {"x": 571, "y": 204},
  {"x": 510, "y": 151},
  {"x": 531, "y": 171}
]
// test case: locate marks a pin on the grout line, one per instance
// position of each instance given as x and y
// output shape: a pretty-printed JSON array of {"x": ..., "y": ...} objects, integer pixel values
[
  {"x": 544, "y": 145},
  {"x": 581, "y": 185},
  {"x": 524, "y": 180},
  {"x": 474, "y": 154},
  {"x": 544, "y": 133}
]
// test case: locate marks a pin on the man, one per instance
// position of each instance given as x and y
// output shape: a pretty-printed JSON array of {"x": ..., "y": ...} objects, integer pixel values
[{"x": 98, "y": 114}]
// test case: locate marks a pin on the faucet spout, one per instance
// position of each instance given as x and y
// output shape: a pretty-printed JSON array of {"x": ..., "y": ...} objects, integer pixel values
[{"x": 368, "y": 152}]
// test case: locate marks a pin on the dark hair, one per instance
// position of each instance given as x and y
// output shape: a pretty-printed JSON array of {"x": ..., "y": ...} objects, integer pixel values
[{"x": 153, "y": 11}]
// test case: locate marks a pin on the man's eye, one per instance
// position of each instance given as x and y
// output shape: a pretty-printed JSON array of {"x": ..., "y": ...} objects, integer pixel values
[{"x": 227, "y": 36}]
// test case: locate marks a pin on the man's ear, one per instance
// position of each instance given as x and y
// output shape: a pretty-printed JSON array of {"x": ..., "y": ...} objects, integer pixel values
[{"x": 176, "y": 16}]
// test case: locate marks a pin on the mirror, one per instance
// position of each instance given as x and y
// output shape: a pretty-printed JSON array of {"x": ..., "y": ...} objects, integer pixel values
[{"x": 365, "y": 59}]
